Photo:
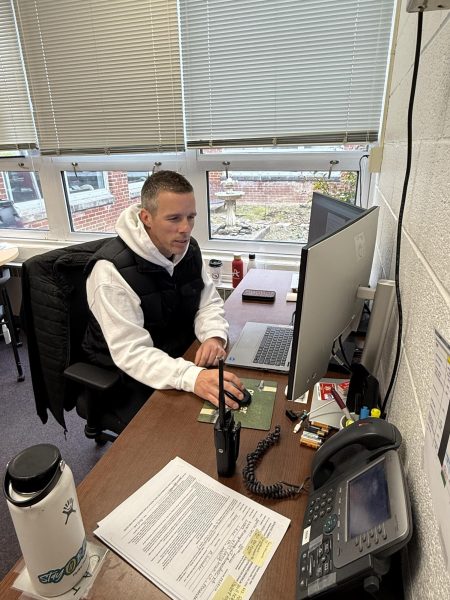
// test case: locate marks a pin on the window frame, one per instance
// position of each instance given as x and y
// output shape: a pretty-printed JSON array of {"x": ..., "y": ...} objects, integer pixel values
[
  {"x": 192, "y": 164},
  {"x": 277, "y": 161}
]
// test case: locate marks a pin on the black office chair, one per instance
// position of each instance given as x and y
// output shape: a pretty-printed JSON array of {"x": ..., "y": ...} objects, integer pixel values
[
  {"x": 54, "y": 313},
  {"x": 7, "y": 324}
]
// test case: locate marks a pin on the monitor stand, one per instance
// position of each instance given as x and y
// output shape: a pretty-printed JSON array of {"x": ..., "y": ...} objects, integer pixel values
[{"x": 334, "y": 365}]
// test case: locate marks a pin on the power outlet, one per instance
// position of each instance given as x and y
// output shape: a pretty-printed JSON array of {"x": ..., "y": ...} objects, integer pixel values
[{"x": 427, "y": 5}]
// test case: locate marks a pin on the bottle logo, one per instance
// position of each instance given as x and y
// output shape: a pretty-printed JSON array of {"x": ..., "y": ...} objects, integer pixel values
[
  {"x": 55, "y": 575},
  {"x": 68, "y": 509},
  {"x": 236, "y": 273}
]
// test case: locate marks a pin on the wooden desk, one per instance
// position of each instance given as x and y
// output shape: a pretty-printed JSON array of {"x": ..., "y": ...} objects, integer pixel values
[{"x": 166, "y": 427}]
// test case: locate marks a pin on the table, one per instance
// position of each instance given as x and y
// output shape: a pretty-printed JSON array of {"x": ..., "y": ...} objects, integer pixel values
[
  {"x": 8, "y": 254},
  {"x": 166, "y": 427}
]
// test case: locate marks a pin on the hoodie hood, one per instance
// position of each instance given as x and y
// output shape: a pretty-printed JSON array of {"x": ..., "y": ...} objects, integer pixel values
[{"x": 131, "y": 230}]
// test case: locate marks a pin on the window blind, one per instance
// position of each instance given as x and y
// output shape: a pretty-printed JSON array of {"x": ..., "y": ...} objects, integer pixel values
[
  {"x": 16, "y": 121},
  {"x": 104, "y": 75},
  {"x": 284, "y": 71}
]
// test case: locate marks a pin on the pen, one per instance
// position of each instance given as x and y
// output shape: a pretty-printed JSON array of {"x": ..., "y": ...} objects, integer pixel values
[{"x": 341, "y": 404}]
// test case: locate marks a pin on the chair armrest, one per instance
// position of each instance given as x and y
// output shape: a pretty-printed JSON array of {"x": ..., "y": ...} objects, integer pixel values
[{"x": 92, "y": 376}]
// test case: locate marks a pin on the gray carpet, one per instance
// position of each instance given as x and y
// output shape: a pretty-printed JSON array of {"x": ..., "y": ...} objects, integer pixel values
[{"x": 21, "y": 428}]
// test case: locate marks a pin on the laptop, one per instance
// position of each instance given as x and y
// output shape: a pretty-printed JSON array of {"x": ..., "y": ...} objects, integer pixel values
[{"x": 263, "y": 346}]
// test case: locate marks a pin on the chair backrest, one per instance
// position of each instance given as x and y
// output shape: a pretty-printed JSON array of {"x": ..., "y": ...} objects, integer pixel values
[{"x": 54, "y": 313}]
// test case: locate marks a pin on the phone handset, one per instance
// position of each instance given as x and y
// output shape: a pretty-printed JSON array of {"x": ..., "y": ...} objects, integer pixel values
[{"x": 358, "y": 443}]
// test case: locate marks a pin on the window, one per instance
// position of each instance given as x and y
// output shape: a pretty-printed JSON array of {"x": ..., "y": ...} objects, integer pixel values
[
  {"x": 283, "y": 72},
  {"x": 21, "y": 202},
  {"x": 289, "y": 93},
  {"x": 135, "y": 182},
  {"x": 16, "y": 120},
  {"x": 96, "y": 198},
  {"x": 103, "y": 77},
  {"x": 270, "y": 206}
]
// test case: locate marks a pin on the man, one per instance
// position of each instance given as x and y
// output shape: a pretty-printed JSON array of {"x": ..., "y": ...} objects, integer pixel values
[{"x": 150, "y": 297}]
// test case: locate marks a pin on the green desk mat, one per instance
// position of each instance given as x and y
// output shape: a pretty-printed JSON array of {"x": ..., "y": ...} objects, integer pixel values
[{"x": 257, "y": 415}]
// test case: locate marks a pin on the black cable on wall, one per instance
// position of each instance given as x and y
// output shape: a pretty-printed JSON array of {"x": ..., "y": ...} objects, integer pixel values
[{"x": 402, "y": 209}]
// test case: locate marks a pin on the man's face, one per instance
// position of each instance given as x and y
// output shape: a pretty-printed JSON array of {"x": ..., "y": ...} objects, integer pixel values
[{"x": 170, "y": 227}]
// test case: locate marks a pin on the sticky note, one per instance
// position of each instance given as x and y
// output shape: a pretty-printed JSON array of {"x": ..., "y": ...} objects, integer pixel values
[
  {"x": 257, "y": 548},
  {"x": 230, "y": 590}
]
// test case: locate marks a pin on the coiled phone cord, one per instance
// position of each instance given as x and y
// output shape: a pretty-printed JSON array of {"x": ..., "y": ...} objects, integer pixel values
[{"x": 275, "y": 491}]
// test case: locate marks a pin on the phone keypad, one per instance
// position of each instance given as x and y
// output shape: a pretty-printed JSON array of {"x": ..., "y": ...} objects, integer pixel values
[
  {"x": 319, "y": 507},
  {"x": 316, "y": 567}
]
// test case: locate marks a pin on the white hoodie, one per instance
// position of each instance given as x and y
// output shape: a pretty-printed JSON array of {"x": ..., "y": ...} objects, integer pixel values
[{"x": 117, "y": 309}]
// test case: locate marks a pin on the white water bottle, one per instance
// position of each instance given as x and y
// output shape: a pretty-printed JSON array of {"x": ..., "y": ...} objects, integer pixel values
[
  {"x": 251, "y": 262},
  {"x": 41, "y": 497}
]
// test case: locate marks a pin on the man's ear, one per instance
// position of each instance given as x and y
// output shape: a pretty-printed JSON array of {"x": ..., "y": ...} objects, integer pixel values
[{"x": 145, "y": 217}]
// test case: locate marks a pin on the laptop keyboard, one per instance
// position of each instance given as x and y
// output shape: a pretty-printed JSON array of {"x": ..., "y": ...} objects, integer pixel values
[{"x": 274, "y": 347}]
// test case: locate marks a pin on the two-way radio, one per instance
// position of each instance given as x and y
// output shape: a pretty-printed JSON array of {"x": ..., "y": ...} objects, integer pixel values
[{"x": 226, "y": 434}]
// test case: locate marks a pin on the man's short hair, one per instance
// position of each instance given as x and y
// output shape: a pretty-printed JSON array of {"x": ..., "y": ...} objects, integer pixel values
[{"x": 162, "y": 181}]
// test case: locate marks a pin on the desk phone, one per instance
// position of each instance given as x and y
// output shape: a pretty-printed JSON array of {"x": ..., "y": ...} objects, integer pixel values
[{"x": 358, "y": 511}]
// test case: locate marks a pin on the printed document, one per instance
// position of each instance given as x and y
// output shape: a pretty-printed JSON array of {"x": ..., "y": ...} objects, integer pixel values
[
  {"x": 437, "y": 442},
  {"x": 192, "y": 536}
]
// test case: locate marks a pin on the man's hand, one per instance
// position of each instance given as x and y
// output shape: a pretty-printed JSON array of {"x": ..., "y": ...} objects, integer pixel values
[
  {"x": 209, "y": 352},
  {"x": 207, "y": 387}
]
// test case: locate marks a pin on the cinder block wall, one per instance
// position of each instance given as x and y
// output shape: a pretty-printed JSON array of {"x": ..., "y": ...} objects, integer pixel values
[{"x": 425, "y": 266}]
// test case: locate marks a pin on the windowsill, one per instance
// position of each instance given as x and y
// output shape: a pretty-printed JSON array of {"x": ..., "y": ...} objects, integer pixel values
[
  {"x": 31, "y": 210},
  {"x": 91, "y": 199},
  {"x": 30, "y": 248}
]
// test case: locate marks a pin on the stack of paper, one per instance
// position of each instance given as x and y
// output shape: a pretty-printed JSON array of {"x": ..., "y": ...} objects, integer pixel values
[{"x": 194, "y": 537}]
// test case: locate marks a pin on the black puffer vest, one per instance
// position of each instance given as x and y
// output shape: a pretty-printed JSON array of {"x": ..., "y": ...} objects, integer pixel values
[{"x": 169, "y": 303}]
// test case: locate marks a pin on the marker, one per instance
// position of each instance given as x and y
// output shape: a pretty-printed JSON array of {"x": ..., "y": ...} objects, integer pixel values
[{"x": 340, "y": 403}]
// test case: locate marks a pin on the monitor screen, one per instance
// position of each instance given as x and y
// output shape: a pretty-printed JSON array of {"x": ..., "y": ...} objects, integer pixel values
[
  {"x": 329, "y": 214},
  {"x": 332, "y": 268}
]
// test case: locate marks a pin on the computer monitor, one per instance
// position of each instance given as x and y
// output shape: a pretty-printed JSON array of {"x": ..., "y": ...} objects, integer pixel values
[
  {"x": 331, "y": 270},
  {"x": 329, "y": 214}
]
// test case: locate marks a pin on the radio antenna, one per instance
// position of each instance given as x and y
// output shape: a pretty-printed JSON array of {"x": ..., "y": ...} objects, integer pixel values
[{"x": 221, "y": 396}]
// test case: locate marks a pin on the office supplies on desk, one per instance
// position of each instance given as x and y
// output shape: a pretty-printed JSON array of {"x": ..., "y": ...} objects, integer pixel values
[
  {"x": 245, "y": 401},
  {"x": 262, "y": 346},
  {"x": 358, "y": 512},
  {"x": 226, "y": 434},
  {"x": 275, "y": 491},
  {"x": 323, "y": 410},
  {"x": 193, "y": 536},
  {"x": 256, "y": 415}
]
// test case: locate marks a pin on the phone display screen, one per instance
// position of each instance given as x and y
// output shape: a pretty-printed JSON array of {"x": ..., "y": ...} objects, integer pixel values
[{"x": 368, "y": 500}]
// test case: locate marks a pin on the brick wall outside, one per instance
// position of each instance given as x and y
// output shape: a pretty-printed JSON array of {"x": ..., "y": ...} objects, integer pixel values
[
  {"x": 103, "y": 218},
  {"x": 262, "y": 191}
]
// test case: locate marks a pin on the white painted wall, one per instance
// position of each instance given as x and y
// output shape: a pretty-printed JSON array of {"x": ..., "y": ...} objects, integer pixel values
[{"x": 425, "y": 266}]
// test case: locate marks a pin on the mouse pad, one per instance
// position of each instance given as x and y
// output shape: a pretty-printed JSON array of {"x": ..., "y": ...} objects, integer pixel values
[{"x": 257, "y": 415}]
